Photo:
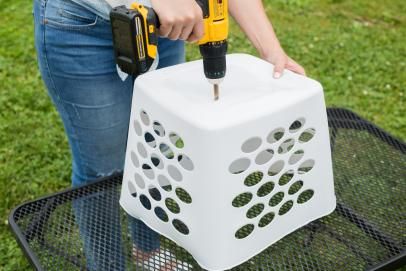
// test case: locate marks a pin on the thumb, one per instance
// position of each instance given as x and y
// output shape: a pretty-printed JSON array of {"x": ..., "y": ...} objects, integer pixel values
[{"x": 278, "y": 68}]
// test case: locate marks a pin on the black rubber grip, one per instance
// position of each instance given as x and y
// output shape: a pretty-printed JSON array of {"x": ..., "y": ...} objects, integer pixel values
[{"x": 214, "y": 59}]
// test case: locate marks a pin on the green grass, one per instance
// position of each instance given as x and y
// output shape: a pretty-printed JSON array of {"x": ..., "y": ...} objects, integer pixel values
[{"x": 356, "y": 49}]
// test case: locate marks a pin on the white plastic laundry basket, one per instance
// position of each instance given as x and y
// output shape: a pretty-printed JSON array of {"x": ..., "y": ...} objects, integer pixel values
[{"x": 227, "y": 179}]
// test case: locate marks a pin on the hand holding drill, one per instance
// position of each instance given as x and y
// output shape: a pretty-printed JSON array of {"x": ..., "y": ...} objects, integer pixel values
[{"x": 180, "y": 19}]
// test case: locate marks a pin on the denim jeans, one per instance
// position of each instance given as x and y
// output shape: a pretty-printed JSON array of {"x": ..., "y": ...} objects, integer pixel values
[{"x": 76, "y": 60}]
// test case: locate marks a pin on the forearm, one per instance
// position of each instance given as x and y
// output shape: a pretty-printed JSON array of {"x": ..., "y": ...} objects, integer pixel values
[{"x": 251, "y": 16}]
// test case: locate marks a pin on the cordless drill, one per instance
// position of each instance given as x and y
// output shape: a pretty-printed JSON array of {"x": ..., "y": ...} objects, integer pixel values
[{"x": 135, "y": 39}]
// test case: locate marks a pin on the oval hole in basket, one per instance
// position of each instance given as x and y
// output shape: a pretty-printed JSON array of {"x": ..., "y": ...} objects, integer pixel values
[
  {"x": 175, "y": 173},
  {"x": 296, "y": 156},
  {"x": 158, "y": 128},
  {"x": 264, "y": 156},
  {"x": 180, "y": 226},
  {"x": 242, "y": 199},
  {"x": 161, "y": 214},
  {"x": 176, "y": 140},
  {"x": 294, "y": 188},
  {"x": 255, "y": 210},
  {"x": 265, "y": 189},
  {"x": 266, "y": 219},
  {"x": 166, "y": 151},
  {"x": 275, "y": 135},
  {"x": 137, "y": 128},
  {"x": 157, "y": 161},
  {"x": 164, "y": 183},
  {"x": 141, "y": 150},
  {"x": 276, "y": 199},
  {"x": 307, "y": 135},
  {"x": 276, "y": 168},
  {"x": 139, "y": 181},
  {"x": 251, "y": 144},
  {"x": 144, "y": 117},
  {"x": 183, "y": 195},
  {"x": 286, "y": 177},
  {"x": 148, "y": 171},
  {"x": 253, "y": 178},
  {"x": 132, "y": 189},
  {"x": 172, "y": 205},
  {"x": 145, "y": 202},
  {"x": 150, "y": 139},
  {"x": 240, "y": 165},
  {"x": 134, "y": 159},
  {"x": 305, "y": 196},
  {"x": 306, "y": 166},
  {"x": 286, "y": 146},
  {"x": 186, "y": 162},
  {"x": 296, "y": 125},
  {"x": 286, "y": 207},
  {"x": 154, "y": 193},
  {"x": 244, "y": 231}
]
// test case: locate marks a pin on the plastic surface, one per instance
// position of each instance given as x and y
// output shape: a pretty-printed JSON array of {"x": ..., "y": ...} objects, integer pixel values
[{"x": 227, "y": 179}]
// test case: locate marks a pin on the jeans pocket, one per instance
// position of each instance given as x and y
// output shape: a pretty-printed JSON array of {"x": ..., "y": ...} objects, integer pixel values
[{"x": 67, "y": 15}]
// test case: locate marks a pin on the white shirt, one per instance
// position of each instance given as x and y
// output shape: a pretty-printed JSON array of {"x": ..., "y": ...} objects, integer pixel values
[
  {"x": 103, "y": 7},
  {"x": 115, "y": 3}
]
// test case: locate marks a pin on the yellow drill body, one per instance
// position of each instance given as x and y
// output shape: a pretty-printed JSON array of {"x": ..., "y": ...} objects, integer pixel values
[
  {"x": 216, "y": 22},
  {"x": 144, "y": 24}
]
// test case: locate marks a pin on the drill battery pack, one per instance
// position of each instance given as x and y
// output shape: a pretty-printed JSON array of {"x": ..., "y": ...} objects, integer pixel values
[{"x": 135, "y": 38}]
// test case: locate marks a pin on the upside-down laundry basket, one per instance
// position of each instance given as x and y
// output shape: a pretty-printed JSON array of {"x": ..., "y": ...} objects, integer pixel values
[{"x": 226, "y": 179}]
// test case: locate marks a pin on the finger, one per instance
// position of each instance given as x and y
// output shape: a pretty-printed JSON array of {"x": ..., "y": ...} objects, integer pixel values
[
  {"x": 279, "y": 67},
  {"x": 192, "y": 38},
  {"x": 164, "y": 30},
  {"x": 186, "y": 32},
  {"x": 197, "y": 33},
  {"x": 295, "y": 67},
  {"x": 176, "y": 31}
]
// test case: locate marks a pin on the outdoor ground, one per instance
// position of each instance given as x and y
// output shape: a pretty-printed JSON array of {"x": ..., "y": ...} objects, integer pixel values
[{"x": 356, "y": 49}]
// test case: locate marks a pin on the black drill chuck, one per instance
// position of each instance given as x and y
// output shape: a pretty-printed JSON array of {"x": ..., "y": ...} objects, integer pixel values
[{"x": 214, "y": 59}]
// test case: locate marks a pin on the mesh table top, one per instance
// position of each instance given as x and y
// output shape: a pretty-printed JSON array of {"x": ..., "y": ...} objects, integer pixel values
[{"x": 366, "y": 231}]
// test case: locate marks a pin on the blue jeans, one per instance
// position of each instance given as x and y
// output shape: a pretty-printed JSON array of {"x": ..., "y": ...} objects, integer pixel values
[{"x": 76, "y": 61}]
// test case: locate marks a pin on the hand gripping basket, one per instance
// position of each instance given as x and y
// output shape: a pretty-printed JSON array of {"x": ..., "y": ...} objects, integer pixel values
[{"x": 227, "y": 179}]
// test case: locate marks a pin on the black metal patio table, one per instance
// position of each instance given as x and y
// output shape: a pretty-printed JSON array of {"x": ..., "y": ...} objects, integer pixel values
[{"x": 365, "y": 232}]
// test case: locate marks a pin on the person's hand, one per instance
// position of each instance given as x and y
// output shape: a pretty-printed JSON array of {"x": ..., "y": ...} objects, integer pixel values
[
  {"x": 180, "y": 19},
  {"x": 251, "y": 16},
  {"x": 277, "y": 56}
]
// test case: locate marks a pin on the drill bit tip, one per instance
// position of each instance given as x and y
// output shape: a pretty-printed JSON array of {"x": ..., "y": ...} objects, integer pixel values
[{"x": 216, "y": 90}]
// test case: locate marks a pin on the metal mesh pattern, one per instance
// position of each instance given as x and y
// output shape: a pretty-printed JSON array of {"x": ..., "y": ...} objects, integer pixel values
[{"x": 366, "y": 232}]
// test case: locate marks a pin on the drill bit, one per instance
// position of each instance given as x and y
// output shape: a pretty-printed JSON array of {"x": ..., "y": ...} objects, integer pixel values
[{"x": 216, "y": 90}]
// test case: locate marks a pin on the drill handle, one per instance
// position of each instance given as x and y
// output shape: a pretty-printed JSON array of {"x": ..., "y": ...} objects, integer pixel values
[
  {"x": 150, "y": 20},
  {"x": 154, "y": 19},
  {"x": 204, "y": 5}
]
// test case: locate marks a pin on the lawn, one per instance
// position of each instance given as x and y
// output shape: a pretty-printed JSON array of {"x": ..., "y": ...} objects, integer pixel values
[{"x": 356, "y": 49}]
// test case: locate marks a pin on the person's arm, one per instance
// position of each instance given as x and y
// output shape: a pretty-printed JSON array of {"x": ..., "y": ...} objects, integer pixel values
[{"x": 251, "y": 16}]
